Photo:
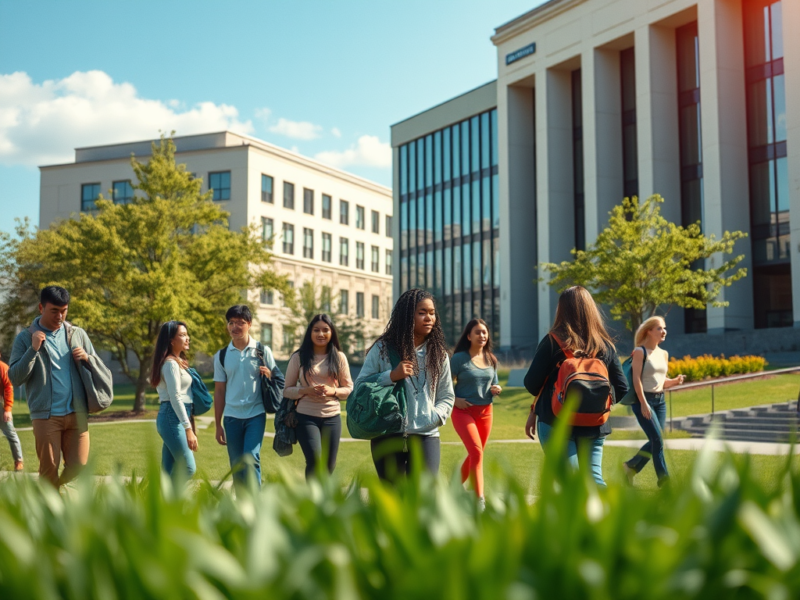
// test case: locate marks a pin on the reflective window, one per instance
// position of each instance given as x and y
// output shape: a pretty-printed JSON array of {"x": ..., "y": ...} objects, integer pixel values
[
  {"x": 122, "y": 192},
  {"x": 376, "y": 307},
  {"x": 267, "y": 228},
  {"x": 288, "y": 195},
  {"x": 327, "y": 244},
  {"x": 90, "y": 192},
  {"x": 376, "y": 222},
  {"x": 308, "y": 201},
  {"x": 266, "y": 334},
  {"x": 344, "y": 252},
  {"x": 327, "y": 202},
  {"x": 308, "y": 243},
  {"x": 376, "y": 259},
  {"x": 359, "y": 255},
  {"x": 388, "y": 262},
  {"x": 220, "y": 182},
  {"x": 344, "y": 212},
  {"x": 360, "y": 217},
  {"x": 288, "y": 238},
  {"x": 266, "y": 189}
]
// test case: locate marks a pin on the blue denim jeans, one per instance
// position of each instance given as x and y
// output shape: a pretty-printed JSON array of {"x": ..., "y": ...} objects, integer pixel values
[
  {"x": 575, "y": 452},
  {"x": 653, "y": 429},
  {"x": 12, "y": 437},
  {"x": 244, "y": 438},
  {"x": 175, "y": 448}
]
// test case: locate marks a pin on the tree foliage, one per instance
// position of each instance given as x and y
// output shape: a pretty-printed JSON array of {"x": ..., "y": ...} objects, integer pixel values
[
  {"x": 129, "y": 268},
  {"x": 642, "y": 263}
]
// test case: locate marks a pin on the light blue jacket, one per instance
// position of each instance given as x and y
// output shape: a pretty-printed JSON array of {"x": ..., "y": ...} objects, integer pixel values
[{"x": 426, "y": 412}]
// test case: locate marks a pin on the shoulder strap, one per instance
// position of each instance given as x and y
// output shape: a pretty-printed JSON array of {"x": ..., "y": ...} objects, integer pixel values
[
  {"x": 69, "y": 330},
  {"x": 644, "y": 359},
  {"x": 394, "y": 358},
  {"x": 222, "y": 352},
  {"x": 260, "y": 352},
  {"x": 568, "y": 353}
]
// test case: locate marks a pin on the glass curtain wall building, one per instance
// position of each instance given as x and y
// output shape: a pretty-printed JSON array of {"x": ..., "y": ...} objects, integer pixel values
[
  {"x": 767, "y": 157},
  {"x": 450, "y": 221}
]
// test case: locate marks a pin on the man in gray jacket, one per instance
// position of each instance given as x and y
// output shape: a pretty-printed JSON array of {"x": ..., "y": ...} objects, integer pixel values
[{"x": 46, "y": 359}]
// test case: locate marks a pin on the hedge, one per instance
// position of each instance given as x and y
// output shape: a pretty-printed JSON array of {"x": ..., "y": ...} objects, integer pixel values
[{"x": 703, "y": 367}]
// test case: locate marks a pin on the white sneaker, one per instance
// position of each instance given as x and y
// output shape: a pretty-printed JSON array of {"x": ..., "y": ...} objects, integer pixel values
[
  {"x": 481, "y": 504},
  {"x": 629, "y": 473}
]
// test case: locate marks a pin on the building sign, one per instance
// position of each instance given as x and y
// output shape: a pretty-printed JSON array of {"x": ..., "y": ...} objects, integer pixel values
[{"x": 521, "y": 53}]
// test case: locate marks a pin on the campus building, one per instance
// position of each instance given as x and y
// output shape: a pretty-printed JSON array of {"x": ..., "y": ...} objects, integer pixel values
[
  {"x": 596, "y": 100},
  {"x": 328, "y": 227}
]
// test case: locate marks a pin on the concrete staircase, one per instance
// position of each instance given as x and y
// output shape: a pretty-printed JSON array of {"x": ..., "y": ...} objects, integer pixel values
[{"x": 768, "y": 423}]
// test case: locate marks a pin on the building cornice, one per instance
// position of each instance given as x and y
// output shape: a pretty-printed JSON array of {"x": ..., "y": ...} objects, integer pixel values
[{"x": 532, "y": 18}]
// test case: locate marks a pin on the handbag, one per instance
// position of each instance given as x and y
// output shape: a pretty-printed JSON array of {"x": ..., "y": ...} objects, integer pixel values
[
  {"x": 201, "y": 398},
  {"x": 631, "y": 398},
  {"x": 375, "y": 410},
  {"x": 285, "y": 423}
]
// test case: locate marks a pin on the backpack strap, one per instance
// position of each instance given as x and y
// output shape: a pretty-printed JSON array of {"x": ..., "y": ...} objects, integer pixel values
[
  {"x": 644, "y": 360},
  {"x": 567, "y": 352},
  {"x": 222, "y": 352}
]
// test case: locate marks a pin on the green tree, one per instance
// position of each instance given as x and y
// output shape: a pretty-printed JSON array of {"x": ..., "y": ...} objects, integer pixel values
[
  {"x": 641, "y": 263},
  {"x": 130, "y": 268},
  {"x": 312, "y": 299}
]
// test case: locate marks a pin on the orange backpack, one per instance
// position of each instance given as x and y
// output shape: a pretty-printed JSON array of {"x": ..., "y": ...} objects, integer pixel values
[{"x": 588, "y": 378}]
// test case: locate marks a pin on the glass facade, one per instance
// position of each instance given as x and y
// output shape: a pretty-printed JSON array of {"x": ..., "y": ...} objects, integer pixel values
[
  {"x": 691, "y": 145},
  {"x": 577, "y": 160},
  {"x": 630, "y": 148},
  {"x": 450, "y": 221},
  {"x": 769, "y": 177}
]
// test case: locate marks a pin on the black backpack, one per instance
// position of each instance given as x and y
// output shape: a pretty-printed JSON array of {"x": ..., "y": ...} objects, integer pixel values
[{"x": 271, "y": 387}]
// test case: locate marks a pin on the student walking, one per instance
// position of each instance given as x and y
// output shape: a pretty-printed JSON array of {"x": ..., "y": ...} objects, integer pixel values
[
  {"x": 318, "y": 377},
  {"x": 45, "y": 359},
  {"x": 7, "y": 422},
  {"x": 171, "y": 378},
  {"x": 578, "y": 331},
  {"x": 239, "y": 411},
  {"x": 412, "y": 348},
  {"x": 474, "y": 368},
  {"x": 649, "y": 369}
]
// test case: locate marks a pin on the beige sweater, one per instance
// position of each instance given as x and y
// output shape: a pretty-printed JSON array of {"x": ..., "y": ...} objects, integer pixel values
[{"x": 317, "y": 406}]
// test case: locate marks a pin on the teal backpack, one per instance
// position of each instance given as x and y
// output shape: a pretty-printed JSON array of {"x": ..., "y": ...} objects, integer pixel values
[
  {"x": 374, "y": 410},
  {"x": 627, "y": 369}
]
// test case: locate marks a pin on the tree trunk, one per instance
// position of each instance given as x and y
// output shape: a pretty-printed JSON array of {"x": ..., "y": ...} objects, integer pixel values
[{"x": 142, "y": 381}]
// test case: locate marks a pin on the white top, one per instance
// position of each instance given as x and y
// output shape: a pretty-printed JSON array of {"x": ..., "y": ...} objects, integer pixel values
[
  {"x": 175, "y": 387},
  {"x": 655, "y": 370}
]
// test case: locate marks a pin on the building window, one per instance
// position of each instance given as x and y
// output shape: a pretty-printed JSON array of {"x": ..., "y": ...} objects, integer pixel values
[
  {"x": 288, "y": 238},
  {"x": 90, "y": 192},
  {"x": 767, "y": 156},
  {"x": 326, "y": 206},
  {"x": 266, "y": 189},
  {"x": 122, "y": 192},
  {"x": 388, "y": 262},
  {"x": 360, "y": 217},
  {"x": 267, "y": 296},
  {"x": 691, "y": 145},
  {"x": 376, "y": 222},
  {"x": 308, "y": 243},
  {"x": 344, "y": 299},
  {"x": 288, "y": 340},
  {"x": 327, "y": 243},
  {"x": 288, "y": 195},
  {"x": 359, "y": 255},
  {"x": 344, "y": 212},
  {"x": 376, "y": 259},
  {"x": 266, "y": 334},
  {"x": 376, "y": 307},
  {"x": 577, "y": 160},
  {"x": 360, "y": 305},
  {"x": 388, "y": 225},
  {"x": 308, "y": 201},
  {"x": 220, "y": 182},
  {"x": 267, "y": 229},
  {"x": 344, "y": 252},
  {"x": 630, "y": 160}
]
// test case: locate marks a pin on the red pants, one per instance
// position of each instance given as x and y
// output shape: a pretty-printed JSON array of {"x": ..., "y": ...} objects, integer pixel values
[{"x": 473, "y": 425}]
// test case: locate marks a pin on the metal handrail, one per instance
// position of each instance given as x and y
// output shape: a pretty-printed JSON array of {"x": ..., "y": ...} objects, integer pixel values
[{"x": 714, "y": 382}]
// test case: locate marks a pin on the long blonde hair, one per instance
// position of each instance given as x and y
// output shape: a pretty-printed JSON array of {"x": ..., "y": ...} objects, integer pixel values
[
  {"x": 579, "y": 324},
  {"x": 645, "y": 328}
]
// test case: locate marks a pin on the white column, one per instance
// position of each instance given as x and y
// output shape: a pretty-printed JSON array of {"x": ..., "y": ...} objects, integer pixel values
[
  {"x": 726, "y": 198},
  {"x": 602, "y": 137},
  {"x": 555, "y": 207},
  {"x": 518, "y": 257},
  {"x": 791, "y": 68}
]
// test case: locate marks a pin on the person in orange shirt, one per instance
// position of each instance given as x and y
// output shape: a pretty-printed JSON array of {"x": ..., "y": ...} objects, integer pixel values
[{"x": 7, "y": 421}]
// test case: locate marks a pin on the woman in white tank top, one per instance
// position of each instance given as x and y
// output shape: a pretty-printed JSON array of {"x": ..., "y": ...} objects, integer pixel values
[{"x": 649, "y": 368}]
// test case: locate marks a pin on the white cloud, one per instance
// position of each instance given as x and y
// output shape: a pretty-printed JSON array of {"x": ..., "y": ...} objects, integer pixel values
[
  {"x": 262, "y": 114},
  {"x": 298, "y": 130},
  {"x": 43, "y": 123},
  {"x": 336, "y": 133},
  {"x": 368, "y": 151}
]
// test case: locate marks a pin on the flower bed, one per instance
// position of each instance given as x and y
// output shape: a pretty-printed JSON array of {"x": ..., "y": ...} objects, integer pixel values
[{"x": 707, "y": 366}]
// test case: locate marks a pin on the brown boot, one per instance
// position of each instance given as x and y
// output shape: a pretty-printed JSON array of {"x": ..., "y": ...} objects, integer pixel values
[{"x": 18, "y": 466}]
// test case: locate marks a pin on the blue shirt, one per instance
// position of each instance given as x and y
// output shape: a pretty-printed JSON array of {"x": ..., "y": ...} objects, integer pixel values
[
  {"x": 55, "y": 343},
  {"x": 242, "y": 378}
]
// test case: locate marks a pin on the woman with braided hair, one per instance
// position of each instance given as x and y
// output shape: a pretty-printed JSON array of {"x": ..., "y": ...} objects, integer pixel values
[{"x": 414, "y": 342}]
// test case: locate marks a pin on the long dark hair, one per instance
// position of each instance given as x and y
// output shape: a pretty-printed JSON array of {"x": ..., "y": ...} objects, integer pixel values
[
  {"x": 163, "y": 348},
  {"x": 306, "y": 350},
  {"x": 579, "y": 324},
  {"x": 399, "y": 335},
  {"x": 464, "y": 344}
]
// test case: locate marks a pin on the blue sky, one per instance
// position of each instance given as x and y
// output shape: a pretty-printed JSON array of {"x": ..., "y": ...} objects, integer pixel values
[{"x": 324, "y": 78}]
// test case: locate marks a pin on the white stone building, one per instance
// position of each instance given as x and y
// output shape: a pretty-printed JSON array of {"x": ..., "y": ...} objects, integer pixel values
[{"x": 329, "y": 226}]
